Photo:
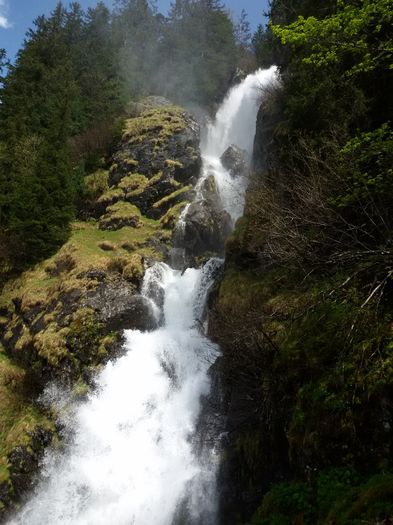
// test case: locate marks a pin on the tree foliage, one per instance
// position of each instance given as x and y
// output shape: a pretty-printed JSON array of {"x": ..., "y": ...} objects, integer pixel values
[{"x": 359, "y": 33}]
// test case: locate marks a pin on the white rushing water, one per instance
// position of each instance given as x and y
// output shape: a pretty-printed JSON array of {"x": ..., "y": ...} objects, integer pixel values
[
  {"x": 132, "y": 457},
  {"x": 234, "y": 125}
]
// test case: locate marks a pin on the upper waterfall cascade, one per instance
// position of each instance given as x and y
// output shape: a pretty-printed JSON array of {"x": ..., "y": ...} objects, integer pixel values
[
  {"x": 234, "y": 124},
  {"x": 132, "y": 457}
]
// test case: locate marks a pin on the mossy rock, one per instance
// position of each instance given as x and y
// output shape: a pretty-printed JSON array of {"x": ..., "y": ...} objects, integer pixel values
[
  {"x": 51, "y": 344},
  {"x": 97, "y": 183},
  {"x": 111, "y": 196},
  {"x": 120, "y": 215},
  {"x": 161, "y": 207},
  {"x": 162, "y": 122},
  {"x": 134, "y": 270},
  {"x": 171, "y": 217},
  {"x": 133, "y": 184},
  {"x": 161, "y": 138}
]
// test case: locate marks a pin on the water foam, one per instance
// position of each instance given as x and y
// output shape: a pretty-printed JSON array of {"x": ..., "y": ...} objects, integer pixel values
[{"x": 234, "y": 124}]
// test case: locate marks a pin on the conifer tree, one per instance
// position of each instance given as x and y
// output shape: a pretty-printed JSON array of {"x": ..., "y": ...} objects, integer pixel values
[{"x": 36, "y": 117}]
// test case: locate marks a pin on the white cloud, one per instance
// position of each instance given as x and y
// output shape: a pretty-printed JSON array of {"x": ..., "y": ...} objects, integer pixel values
[{"x": 4, "y": 22}]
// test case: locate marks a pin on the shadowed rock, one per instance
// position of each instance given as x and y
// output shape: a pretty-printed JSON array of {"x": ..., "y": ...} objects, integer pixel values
[
  {"x": 207, "y": 225},
  {"x": 235, "y": 160},
  {"x": 117, "y": 306}
]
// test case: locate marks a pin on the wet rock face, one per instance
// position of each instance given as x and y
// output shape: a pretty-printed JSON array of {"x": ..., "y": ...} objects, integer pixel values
[
  {"x": 117, "y": 306},
  {"x": 24, "y": 460},
  {"x": 206, "y": 225},
  {"x": 235, "y": 160},
  {"x": 206, "y": 229},
  {"x": 269, "y": 115},
  {"x": 238, "y": 76}
]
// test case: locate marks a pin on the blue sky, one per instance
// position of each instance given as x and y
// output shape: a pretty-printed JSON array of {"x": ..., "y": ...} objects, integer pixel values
[{"x": 16, "y": 16}]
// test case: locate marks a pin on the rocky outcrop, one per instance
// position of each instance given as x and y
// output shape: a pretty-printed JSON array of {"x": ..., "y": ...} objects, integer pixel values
[
  {"x": 63, "y": 319},
  {"x": 118, "y": 307},
  {"x": 162, "y": 140},
  {"x": 206, "y": 225}
]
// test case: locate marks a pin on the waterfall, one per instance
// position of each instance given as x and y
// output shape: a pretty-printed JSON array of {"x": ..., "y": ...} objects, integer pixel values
[
  {"x": 132, "y": 456},
  {"x": 234, "y": 124}
]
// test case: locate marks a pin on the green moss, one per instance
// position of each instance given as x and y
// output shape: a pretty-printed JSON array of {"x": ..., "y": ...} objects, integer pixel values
[
  {"x": 51, "y": 343},
  {"x": 157, "y": 123},
  {"x": 172, "y": 197},
  {"x": 24, "y": 340},
  {"x": 111, "y": 195},
  {"x": 134, "y": 270},
  {"x": 156, "y": 178},
  {"x": 132, "y": 163},
  {"x": 4, "y": 473},
  {"x": 97, "y": 183},
  {"x": 133, "y": 184},
  {"x": 109, "y": 339},
  {"x": 119, "y": 215},
  {"x": 170, "y": 163},
  {"x": 123, "y": 209},
  {"x": 171, "y": 217},
  {"x": 80, "y": 389},
  {"x": 18, "y": 415}
]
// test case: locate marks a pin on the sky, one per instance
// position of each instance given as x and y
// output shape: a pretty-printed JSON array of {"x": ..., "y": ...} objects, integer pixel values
[{"x": 16, "y": 16}]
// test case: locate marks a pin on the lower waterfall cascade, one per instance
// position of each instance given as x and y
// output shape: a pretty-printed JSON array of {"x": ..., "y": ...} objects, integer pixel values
[{"x": 132, "y": 457}]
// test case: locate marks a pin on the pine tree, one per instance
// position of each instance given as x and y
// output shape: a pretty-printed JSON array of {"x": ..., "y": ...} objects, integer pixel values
[
  {"x": 243, "y": 31},
  {"x": 36, "y": 121}
]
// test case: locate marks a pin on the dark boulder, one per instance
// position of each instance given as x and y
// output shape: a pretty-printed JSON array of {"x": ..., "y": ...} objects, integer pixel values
[
  {"x": 235, "y": 160},
  {"x": 118, "y": 308},
  {"x": 206, "y": 225},
  {"x": 206, "y": 229}
]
